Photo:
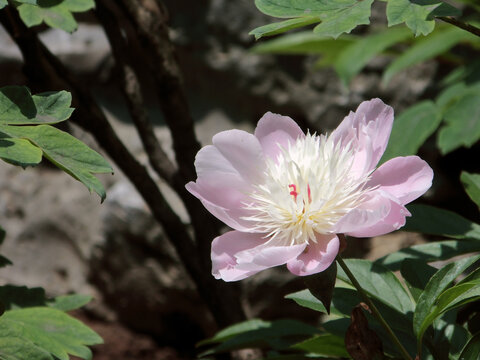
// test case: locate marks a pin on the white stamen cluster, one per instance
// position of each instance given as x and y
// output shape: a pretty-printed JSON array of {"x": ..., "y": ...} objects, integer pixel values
[{"x": 305, "y": 191}]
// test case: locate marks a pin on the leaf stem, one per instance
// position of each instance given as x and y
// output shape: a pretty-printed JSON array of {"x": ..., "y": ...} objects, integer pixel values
[
  {"x": 374, "y": 309},
  {"x": 467, "y": 27}
]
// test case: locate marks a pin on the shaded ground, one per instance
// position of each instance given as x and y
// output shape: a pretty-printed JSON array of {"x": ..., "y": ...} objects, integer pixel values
[{"x": 120, "y": 343}]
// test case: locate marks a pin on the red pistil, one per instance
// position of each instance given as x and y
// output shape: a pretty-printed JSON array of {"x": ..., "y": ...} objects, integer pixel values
[{"x": 294, "y": 192}]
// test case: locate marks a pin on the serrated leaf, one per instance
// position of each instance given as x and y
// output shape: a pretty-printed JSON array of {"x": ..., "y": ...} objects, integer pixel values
[
  {"x": 433, "y": 251},
  {"x": 65, "y": 151},
  {"x": 345, "y": 20},
  {"x": 14, "y": 297},
  {"x": 380, "y": 283},
  {"x": 19, "y": 107},
  {"x": 471, "y": 183},
  {"x": 19, "y": 152},
  {"x": 56, "y": 14},
  {"x": 411, "y": 129},
  {"x": 440, "y": 281},
  {"x": 69, "y": 302},
  {"x": 15, "y": 348},
  {"x": 354, "y": 57},
  {"x": 434, "y": 221},
  {"x": 418, "y": 15},
  {"x": 52, "y": 330},
  {"x": 282, "y": 26},
  {"x": 299, "y": 8},
  {"x": 306, "y": 299},
  {"x": 427, "y": 48},
  {"x": 325, "y": 345},
  {"x": 462, "y": 123}
]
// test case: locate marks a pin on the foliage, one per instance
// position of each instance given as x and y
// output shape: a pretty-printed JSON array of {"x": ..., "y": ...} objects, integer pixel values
[
  {"x": 26, "y": 134},
  {"x": 55, "y": 13}
]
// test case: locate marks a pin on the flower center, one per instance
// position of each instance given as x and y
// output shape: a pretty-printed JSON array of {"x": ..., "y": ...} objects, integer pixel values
[{"x": 305, "y": 191}]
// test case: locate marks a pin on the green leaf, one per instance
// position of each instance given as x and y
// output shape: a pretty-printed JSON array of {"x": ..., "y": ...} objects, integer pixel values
[
  {"x": 50, "y": 329},
  {"x": 19, "y": 107},
  {"x": 456, "y": 296},
  {"x": 65, "y": 151},
  {"x": 433, "y": 251},
  {"x": 306, "y": 299},
  {"x": 471, "y": 183},
  {"x": 411, "y": 129},
  {"x": 471, "y": 349},
  {"x": 69, "y": 302},
  {"x": 54, "y": 13},
  {"x": 355, "y": 56},
  {"x": 277, "y": 335},
  {"x": 3, "y": 3},
  {"x": 15, "y": 348},
  {"x": 345, "y": 20},
  {"x": 304, "y": 42},
  {"x": 321, "y": 285},
  {"x": 427, "y": 48},
  {"x": 416, "y": 274},
  {"x": 462, "y": 123},
  {"x": 19, "y": 152},
  {"x": 437, "y": 284},
  {"x": 299, "y": 8},
  {"x": 324, "y": 345},
  {"x": 14, "y": 297},
  {"x": 380, "y": 283},
  {"x": 233, "y": 330},
  {"x": 434, "y": 221},
  {"x": 282, "y": 26},
  {"x": 417, "y": 15}
]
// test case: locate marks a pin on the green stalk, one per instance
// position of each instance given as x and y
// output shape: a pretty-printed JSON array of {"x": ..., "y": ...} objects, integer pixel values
[{"x": 374, "y": 309}]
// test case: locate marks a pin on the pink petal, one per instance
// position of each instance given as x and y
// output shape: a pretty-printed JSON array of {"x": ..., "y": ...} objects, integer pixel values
[
  {"x": 276, "y": 131},
  {"x": 243, "y": 151},
  {"x": 267, "y": 255},
  {"x": 209, "y": 160},
  {"x": 237, "y": 255},
  {"x": 406, "y": 178},
  {"x": 317, "y": 257},
  {"x": 378, "y": 215},
  {"x": 368, "y": 130},
  {"x": 224, "y": 248},
  {"x": 224, "y": 195}
]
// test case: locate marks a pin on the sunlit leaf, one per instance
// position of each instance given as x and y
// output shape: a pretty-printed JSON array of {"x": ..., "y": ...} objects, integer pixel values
[
  {"x": 306, "y": 299},
  {"x": 282, "y": 26},
  {"x": 345, "y": 20},
  {"x": 49, "y": 329},
  {"x": 54, "y": 13},
  {"x": 418, "y": 15},
  {"x": 439, "y": 282},
  {"x": 65, "y": 151}
]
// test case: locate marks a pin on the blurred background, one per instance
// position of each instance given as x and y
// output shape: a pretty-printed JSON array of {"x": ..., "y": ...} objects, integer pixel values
[{"x": 146, "y": 306}]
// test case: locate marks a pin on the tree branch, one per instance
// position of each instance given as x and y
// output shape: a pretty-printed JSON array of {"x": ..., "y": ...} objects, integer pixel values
[{"x": 460, "y": 24}]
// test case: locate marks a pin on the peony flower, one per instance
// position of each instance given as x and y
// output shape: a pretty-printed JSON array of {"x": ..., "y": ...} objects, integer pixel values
[{"x": 287, "y": 194}]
